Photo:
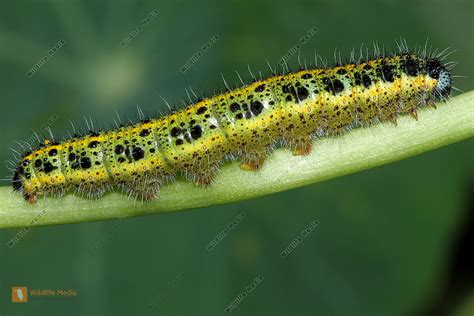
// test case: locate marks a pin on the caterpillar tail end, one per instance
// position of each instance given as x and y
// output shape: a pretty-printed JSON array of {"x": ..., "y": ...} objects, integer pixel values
[{"x": 18, "y": 186}]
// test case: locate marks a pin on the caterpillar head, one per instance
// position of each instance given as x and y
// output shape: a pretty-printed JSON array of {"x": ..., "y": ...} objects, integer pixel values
[{"x": 439, "y": 72}]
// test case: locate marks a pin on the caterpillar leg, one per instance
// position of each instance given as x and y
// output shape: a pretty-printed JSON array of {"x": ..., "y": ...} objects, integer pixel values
[
  {"x": 409, "y": 107},
  {"x": 302, "y": 146},
  {"x": 431, "y": 104},
  {"x": 203, "y": 179},
  {"x": 144, "y": 189},
  {"x": 413, "y": 114},
  {"x": 204, "y": 176},
  {"x": 252, "y": 162},
  {"x": 250, "y": 166},
  {"x": 389, "y": 113},
  {"x": 91, "y": 190},
  {"x": 145, "y": 194},
  {"x": 299, "y": 145},
  {"x": 393, "y": 119},
  {"x": 31, "y": 198}
]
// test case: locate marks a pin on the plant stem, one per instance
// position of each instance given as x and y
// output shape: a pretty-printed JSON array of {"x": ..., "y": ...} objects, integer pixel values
[{"x": 361, "y": 149}]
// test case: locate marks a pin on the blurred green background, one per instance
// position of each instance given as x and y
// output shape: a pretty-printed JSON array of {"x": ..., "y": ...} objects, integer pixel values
[{"x": 390, "y": 241}]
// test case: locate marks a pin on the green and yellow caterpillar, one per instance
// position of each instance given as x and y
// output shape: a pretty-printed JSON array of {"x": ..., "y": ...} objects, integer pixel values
[{"x": 244, "y": 124}]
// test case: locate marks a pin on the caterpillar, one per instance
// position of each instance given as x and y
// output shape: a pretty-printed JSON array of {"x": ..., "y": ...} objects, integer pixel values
[{"x": 245, "y": 124}]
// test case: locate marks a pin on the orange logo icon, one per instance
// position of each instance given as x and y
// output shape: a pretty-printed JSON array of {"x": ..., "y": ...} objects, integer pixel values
[{"x": 19, "y": 294}]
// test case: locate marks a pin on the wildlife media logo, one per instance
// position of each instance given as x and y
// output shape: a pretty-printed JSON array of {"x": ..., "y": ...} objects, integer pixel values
[{"x": 19, "y": 294}]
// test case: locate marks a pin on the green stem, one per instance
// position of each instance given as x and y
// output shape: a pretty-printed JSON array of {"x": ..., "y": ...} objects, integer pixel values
[{"x": 361, "y": 149}]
